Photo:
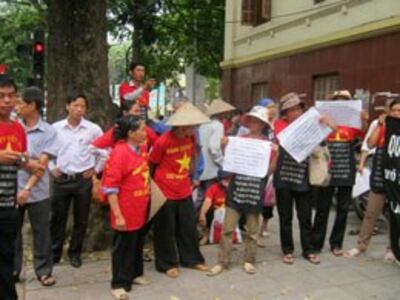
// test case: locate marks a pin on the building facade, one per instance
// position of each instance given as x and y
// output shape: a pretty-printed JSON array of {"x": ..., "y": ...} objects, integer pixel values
[{"x": 314, "y": 47}]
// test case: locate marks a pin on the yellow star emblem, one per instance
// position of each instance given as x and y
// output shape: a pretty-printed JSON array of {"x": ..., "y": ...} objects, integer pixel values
[
  {"x": 146, "y": 177},
  {"x": 9, "y": 147},
  {"x": 184, "y": 163}
]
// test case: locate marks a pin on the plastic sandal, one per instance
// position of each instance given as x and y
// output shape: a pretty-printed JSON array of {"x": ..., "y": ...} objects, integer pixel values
[
  {"x": 352, "y": 253},
  {"x": 119, "y": 294}
]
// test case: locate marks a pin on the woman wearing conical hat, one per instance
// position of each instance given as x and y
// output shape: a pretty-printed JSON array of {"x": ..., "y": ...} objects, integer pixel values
[{"x": 172, "y": 158}]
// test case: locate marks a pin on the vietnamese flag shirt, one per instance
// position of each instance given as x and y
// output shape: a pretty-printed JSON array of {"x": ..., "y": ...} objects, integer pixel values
[
  {"x": 127, "y": 174},
  {"x": 13, "y": 138},
  {"x": 173, "y": 157}
]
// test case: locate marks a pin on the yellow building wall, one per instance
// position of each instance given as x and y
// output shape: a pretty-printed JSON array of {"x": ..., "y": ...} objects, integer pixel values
[{"x": 300, "y": 25}]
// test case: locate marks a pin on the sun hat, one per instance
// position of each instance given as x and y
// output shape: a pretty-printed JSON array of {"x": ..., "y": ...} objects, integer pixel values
[
  {"x": 219, "y": 106},
  {"x": 258, "y": 112},
  {"x": 187, "y": 115},
  {"x": 342, "y": 94},
  {"x": 290, "y": 100},
  {"x": 265, "y": 102}
]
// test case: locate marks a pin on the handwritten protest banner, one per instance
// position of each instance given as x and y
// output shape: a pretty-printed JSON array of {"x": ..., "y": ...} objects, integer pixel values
[
  {"x": 302, "y": 136},
  {"x": 247, "y": 156},
  {"x": 342, "y": 112}
]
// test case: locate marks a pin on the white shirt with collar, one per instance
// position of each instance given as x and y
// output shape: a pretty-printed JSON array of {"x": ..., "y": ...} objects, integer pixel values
[{"x": 74, "y": 152}]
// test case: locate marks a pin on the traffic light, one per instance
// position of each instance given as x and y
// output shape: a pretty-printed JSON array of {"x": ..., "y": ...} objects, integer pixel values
[{"x": 38, "y": 52}]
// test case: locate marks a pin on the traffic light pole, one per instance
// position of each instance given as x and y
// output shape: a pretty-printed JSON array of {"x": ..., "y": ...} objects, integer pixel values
[{"x": 38, "y": 57}]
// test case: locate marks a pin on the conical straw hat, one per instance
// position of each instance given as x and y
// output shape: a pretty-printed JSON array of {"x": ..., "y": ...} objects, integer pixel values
[
  {"x": 187, "y": 115},
  {"x": 219, "y": 106}
]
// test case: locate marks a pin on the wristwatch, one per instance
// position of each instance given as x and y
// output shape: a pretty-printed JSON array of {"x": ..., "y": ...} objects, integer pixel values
[{"x": 23, "y": 159}]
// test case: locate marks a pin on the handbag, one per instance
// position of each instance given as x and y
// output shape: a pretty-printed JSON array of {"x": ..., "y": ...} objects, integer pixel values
[
  {"x": 269, "y": 193},
  {"x": 319, "y": 166}
]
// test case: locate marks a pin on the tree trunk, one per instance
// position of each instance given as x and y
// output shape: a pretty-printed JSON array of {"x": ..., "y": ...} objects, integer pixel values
[
  {"x": 77, "y": 64},
  {"x": 77, "y": 57}
]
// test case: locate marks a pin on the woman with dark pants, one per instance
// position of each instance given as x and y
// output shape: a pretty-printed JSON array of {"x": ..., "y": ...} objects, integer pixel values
[
  {"x": 343, "y": 172},
  {"x": 292, "y": 186},
  {"x": 126, "y": 185}
]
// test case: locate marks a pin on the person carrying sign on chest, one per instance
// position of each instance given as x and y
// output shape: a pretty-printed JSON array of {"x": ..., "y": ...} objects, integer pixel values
[
  {"x": 171, "y": 160},
  {"x": 377, "y": 195},
  {"x": 244, "y": 198},
  {"x": 343, "y": 171},
  {"x": 13, "y": 145},
  {"x": 291, "y": 181}
]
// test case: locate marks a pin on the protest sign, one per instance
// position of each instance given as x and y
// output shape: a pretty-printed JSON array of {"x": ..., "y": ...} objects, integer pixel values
[
  {"x": 301, "y": 137},
  {"x": 247, "y": 156},
  {"x": 342, "y": 112}
]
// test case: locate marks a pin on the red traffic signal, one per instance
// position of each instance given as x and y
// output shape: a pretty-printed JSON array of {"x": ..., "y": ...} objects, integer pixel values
[
  {"x": 3, "y": 69},
  {"x": 38, "y": 47}
]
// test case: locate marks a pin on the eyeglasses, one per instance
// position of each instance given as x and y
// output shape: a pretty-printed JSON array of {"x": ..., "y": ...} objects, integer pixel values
[{"x": 9, "y": 95}]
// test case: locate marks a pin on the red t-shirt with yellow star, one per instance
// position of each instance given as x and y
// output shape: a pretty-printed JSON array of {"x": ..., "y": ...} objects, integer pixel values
[
  {"x": 127, "y": 172},
  {"x": 172, "y": 157},
  {"x": 12, "y": 138}
]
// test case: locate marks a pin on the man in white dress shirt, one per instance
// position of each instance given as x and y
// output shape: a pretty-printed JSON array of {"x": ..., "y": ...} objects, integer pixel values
[{"x": 72, "y": 172}]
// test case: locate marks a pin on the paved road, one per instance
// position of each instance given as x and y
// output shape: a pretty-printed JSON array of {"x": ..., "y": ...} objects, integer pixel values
[{"x": 366, "y": 277}]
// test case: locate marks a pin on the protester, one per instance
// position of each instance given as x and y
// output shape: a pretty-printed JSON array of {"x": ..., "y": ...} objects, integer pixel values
[
  {"x": 391, "y": 171},
  {"x": 291, "y": 181},
  {"x": 214, "y": 198},
  {"x": 13, "y": 146},
  {"x": 34, "y": 191},
  {"x": 172, "y": 158},
  {"x": 126, "y": 184},
  {"x": 244, "y": 201},
  {"x": 376, "y": 198},
  {"x": 210, "y": 135},
  {"x": 267, "y": 212},
  {"x": 131, "y": 108},
  {"x": 134, "y": 89},
  {"x": 343, "y": 171},
  {"x": 72, "y": 171}
]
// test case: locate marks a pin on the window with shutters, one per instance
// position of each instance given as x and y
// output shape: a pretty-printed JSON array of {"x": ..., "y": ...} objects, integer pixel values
[
  {"x": 325, "y": 85},
  {"x": 256, "y": 12},
  {"x": 258, "y": 91}
]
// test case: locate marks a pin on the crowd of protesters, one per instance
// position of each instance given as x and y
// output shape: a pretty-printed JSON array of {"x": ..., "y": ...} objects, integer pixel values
[{"x": 179, "y": 155}]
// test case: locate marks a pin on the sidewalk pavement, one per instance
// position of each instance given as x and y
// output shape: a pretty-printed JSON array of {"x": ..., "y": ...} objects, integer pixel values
[{"x": 365, "y": 277}]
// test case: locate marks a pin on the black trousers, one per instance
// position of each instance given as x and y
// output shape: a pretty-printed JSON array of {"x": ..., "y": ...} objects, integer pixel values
[
  {"x": 127, "y": 258},
  {"x": 175, "y": 236},
  {"x": 64, "y": 192},
  {"x": 284, "y": 201},
  {"x": 8, "y": 233},
  {"x": 39, "y": 216},
  {"x": 324, "y": 198}
]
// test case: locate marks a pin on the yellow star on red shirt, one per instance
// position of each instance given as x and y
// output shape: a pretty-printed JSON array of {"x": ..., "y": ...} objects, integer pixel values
[{"x": 184, "y": 163}]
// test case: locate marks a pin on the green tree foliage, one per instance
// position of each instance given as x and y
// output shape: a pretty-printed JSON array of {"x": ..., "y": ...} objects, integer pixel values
[
  {"x": 169, "y": 34},
  {"x": 18, "y": 20}
]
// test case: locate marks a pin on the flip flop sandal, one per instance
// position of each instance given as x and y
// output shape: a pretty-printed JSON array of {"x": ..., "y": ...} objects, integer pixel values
[
  {"x": 352, "y": 253},
  {"x": 337, "y": 252},
  {"x": 249, "y": 268},
  {"x": 47, "y": 280},
  {"x": 288, "y": 259},
  {"x": 314, "y": 259},
  {"x": 172, "y": 273},
  {"x": 389, "y": 257},
  {"x": 216, "y": 270},
  {"x": 120, "y": 294}
]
